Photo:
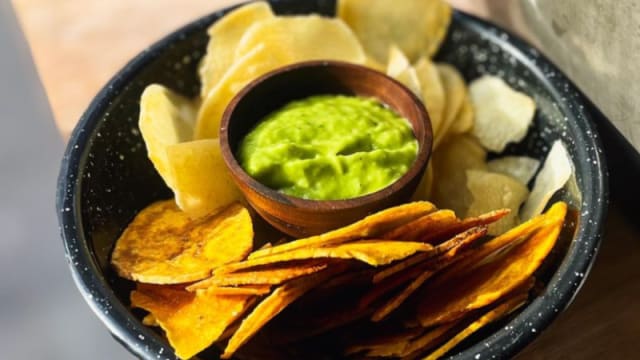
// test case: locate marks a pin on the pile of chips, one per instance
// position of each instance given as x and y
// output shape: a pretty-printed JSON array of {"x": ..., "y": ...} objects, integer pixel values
[
  {"x": 407, "y": 282},
  {"x": 430, "y": 276}
]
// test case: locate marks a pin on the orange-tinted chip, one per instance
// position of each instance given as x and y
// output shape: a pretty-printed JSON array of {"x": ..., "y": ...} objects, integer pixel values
[
  {"x": 192, "y": 322},
  {"x": 497, "y": 313},
  {"x": 162, "y": 245},
  {"x": 272, "y": 305},
  {"x": 270, "y": 275},
  {"x": 428, "y": 340},
  {"x": 448, "y": 301},
  {"x": 450, "y": 249},
  {"x": 369, "y": 227},
  {"x": 412, "y": 231},
  {"x": 238, "y": 290},
  {"x": 386, "y": 344},
  {"x": 372, "y": 252}
]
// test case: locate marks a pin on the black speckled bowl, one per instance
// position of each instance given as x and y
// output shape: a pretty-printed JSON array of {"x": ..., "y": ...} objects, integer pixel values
[{"x": 106, "y": 178}]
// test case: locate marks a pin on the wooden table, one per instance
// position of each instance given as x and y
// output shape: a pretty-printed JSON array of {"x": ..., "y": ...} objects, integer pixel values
[{"x": 78, "y": 45}]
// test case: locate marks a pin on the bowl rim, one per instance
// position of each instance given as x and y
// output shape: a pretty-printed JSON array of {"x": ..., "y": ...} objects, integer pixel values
[
  {"x": 505, "y": 342},
  {"x": 324, "y": 206}
]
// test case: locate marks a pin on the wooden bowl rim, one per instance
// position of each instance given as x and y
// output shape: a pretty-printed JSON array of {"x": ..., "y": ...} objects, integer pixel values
[{"x": 315, "y": 206}]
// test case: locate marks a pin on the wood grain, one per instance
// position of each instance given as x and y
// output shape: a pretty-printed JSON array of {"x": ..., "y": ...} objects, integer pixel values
[{"x": 78, "y": 45}]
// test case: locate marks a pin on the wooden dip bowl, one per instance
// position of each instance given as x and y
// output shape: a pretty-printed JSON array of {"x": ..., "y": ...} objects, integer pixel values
[{"x": 301, "y": 217}]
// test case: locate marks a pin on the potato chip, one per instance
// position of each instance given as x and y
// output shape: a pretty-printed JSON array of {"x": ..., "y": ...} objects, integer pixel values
[
  {"x": 416, "y": 26},
  {"x": 372, "y": 252},
  {"x": 371, "y": 226},
  {"x": 192, "y": 322},
  {"x": 271, "y": 275},
  {"x": 521, "y": 168},
  {"x": 455, "y": 93},
  {"x": 166, "y": 118},
  {"x": 202, "y": 183},
  {"x": 500, "y": 311},
  {"x": 503, "y": 115},
  {"x": 433, "y": 94},
  {"x": 451, "y": 162},
  {"x": 273, "y": 43},
  {"x": 495, "y": 191},
  {"x": 556, "y": 171},
  {"x": 272, "y": 305},
  {"x": 224, "y": 36},
  {"x": 162, "y": 245},
  {"x": 442, "y": 302}
]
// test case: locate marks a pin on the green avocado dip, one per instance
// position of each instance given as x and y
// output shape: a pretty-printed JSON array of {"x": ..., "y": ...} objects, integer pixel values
[{"x": 329, "y": 147}]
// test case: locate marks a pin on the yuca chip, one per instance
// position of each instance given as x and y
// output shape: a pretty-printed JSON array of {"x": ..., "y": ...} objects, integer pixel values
[
  {"x": 464, "y": 120},
  {"x": 372, "y": 252},
  {"x": 556, "y": 171},
  {"x": 425, "y": 187},
  {"x": 449, "y": 250},
  {"x": 495, "y": 191},
  {"x": 369, "y": 227},
  {"x": 162, "y": 245},
  {"x": 451, "y": 162},
  {"x": 448, "y": 301},
  {"x": 500, "y": 311},
  {"x": 273, "y": 43},
  {"x": 192, "y": 322},
  {"x": 503, "y": 115},
  {"x": 400, "y": 69},
  {"x": 202, "y": 183},
  {"x": 455, "y": 91},
  {"x": 166, "y": 118},
  {"x": 416, "y": 26},
  {"x": 224, "y": 36},
  {"x": 271, "y": 275},
  {"x": 433, "y": 94},
  {"x": 521, "y": 168},
  {"x": 272, "y": 305},
  {"x": 239, "y": 290}
]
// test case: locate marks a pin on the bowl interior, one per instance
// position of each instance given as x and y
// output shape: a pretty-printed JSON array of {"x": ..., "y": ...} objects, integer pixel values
[{"x": 106, "y": 177}]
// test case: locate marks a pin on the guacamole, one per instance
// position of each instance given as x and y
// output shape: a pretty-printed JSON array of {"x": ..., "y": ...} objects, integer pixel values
[{"x": 329, "y": 147}]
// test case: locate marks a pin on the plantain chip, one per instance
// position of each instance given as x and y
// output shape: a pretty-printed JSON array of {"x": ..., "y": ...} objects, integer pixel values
[
  {"x": 192, "y": 322},
  {"x": 162, "y": 245},
  {"x": 224, "y": 36},
  {"x": 373, "y": 252},
  {"x": 412, "y": 231},
  {"x": 447, "y": 301},
  {"x": 272, "y": 305},
  {"x": 416, "y": 26},
  {"x": 371, "y": 226},
  {"x": 270, "y": 275},
  {"x": 500, "y": 311}
]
